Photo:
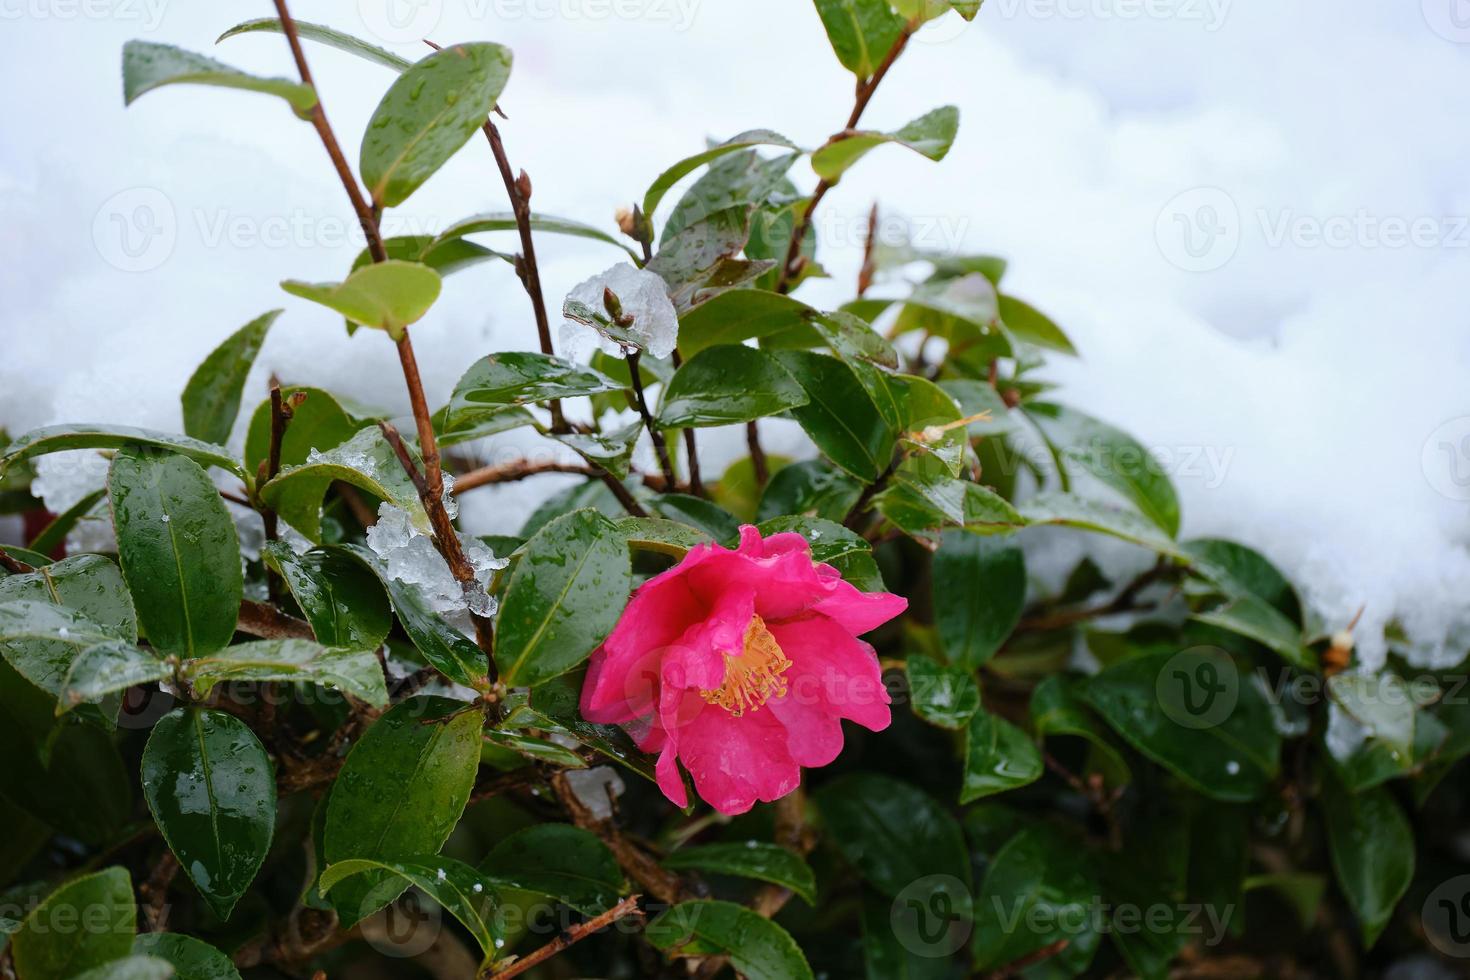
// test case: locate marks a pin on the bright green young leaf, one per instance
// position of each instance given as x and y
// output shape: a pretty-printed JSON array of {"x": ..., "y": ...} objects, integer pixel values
[
  {"x": 386, "y": 295},
  {"x": 562, "y": 862},
  {"x": 1026, "y": 323},
  {"x": 366, "y": 461},
  {"x": 212, "y": 791},
  {"x": 998, "y": 757},
  {"x": 462, "y": 891},
  {"x": 211, "y": 399},
  {"x": 565, "y": 595},
  {"x": 931, "y": 135},
  {"x": 179, "y": 553},
  {"x": 749, "y": 859},
  {"x": 725, "y": 385},
  {"x": 400, "y": 793},
  {"x": 56, "y": 438},
  {"x": 428, "y": 113},
  {"x": 108, "y": 667},
  {"x": 1040, "y": 888},
  {"x": 758, "y": 948},
  {"x": 344, "y": 602},
  {"x": 1256, "y": 619},
  {"x": 861, "y": 31},
  {"x": 192, "y": 959},
  {"x": 356, "y": 672},
  {"x": 943, "y": 696},
  {"x": 325, "y": 35},
  {"x": 1372, "y": 847},
  {"x": 979, "y": 592},
  {"x": 147, "y": 66},
  {"x": 671, "y": 176},
  {"x": 840, "y": 416},
  {"x": 42, "y": 951}
]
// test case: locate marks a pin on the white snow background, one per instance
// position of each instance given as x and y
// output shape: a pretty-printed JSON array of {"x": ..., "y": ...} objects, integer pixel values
[{"x": 1304, "y": 367}]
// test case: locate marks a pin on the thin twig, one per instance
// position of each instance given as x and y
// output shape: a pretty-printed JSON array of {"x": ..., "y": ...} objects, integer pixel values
[
  {"x": 866, "y": 272},
  {"x": 855, "y": 516},
  {"x": 628, "y": 906},
  {"x": 14, "y": 565},
  {"x": 1029, "y": 960},
  {"x": 759, "y": 465},
  {"x": 652, "y": 877},
  {"x": 691, "y": 448},
  {"x": 654, "y": 432},
  {"x": 280, "y": 417},
  {"x": 154, "y": 891},
  {"x": 268, "y": 623},
  {"x": 519, "y": 469},
  {"x": 405, "y": 459}
]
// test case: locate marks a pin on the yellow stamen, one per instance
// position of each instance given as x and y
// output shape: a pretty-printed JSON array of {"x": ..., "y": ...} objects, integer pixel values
[{"x": 753, "y": 674}]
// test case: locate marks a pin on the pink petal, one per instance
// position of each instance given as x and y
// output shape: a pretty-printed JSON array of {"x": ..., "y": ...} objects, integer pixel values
[
  {"x": 669, "y": 780},
  {"x": 813, "y": 734},
  {"x": 737, "y": 761},
  {"x": 857, "y": 611},
  {"x": 831, "y": 667}
]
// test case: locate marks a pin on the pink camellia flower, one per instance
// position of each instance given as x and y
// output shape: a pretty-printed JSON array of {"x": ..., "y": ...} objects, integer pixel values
[{"x": 740, "y": 665}]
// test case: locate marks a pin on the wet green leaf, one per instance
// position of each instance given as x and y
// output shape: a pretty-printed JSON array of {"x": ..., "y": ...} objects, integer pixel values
[
  {"x": 211, "y": 399},
  {"x": 147, "y": 66},
  {"x": 943, "y": 696},
  {"x": 979, "y": 592},
  {"x": 1040, "y": 888},
  {"x": 326, "y": 35},
  {"x": 464, "y": 892},
  {"x": 861, "y": 32},
  {"x": 758, "y": 948},
  {"x": 671, "y": 176},
  {"x": 840, "y": 416},
  {"x": 40, "y": 638},
  {"x": 516, "y": 378},
  {"x": 1372, "y": 847},
  {"x": 192, "y": 959},
  {"x": 357, "y": 672},
  {"x": 45, "y": 949},
  {"x": 749, "y": 859},
  {"x": 506, "y": 221},
  {"x": 344, "y": 602},
  {"x": 108, "y": 667},
  {"x": 998, "y": 757},
  {"x": 561, "y": 862},
  {"x": 726, "y": 385},
  {"x": 1256, "y": 619},
  {"x": 56, "y": 438},
  {"x": 931, "y": 135},
  {"x": 387, "y": 295},
  {"x": 366, "y": 461},
  {"x": 1026, "y": 323}
]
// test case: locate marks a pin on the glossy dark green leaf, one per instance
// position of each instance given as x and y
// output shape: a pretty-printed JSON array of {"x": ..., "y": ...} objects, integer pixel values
[
  {"x": 535, "y": 748},
  {"x": 344, "y": 602},
  {"x": 80, "y": 786},
  {"x": 357, "y": 672},
  {"x": 725, "y": 385},
  {"x": 610, "y": 450},
  {"x": 758, "y": 948},
  {"x": 1258, "y": 620},
  {"x": 40, "y": 639},
  {"x": 366, "y": 461},
  {"x": 931, "y": 135},
  {"x": 706, "y": 515},
  {"x": 671, "y": 176},
  {"x": 1372, "y": 847},
  {"x": 108, "y": 667},
  {"x": 325, "y": 35},
  {"x": 741, "y": 179},
  {"x": 56, "y": 438},
  {"x": 400, "y": 793},
  {"x": 861, "y": 32},
  {"x": 211, "y": 399},
  {"x": 943, "y": 696},
  {"x": 979, "y": 592},
  {"x": 147, "y": 66},
  {"x": 1040, "y": 888},
  {"x": 192, "y": 959},
  {"x": 1071, "y": 510},
  {"x": 387, "y": 295},
  {"x": 1057, "y": 709},
  {"x": 429, "y": 112},
  {"x": 741, "y": 314},
  {"x": 922, "y": 500},
  {"x": 565, "y": 595},
  {"x": 44, "y": 949},
  {"x": 811, "y": 487},
  {"x": 1026, "y": 323},
  {"x": 516, "y": 378},
  {"x": 998, "y": 757},
  {"x": 699, "y": 262},
  {"x": 179, "y": 553},
  {"x": 907, "y": 940},
  {"x": 1238, "y": 570},
  {"x": 461, "y": 890},
  {"x": 212, "y": 790},
  {"x": 1197, "y": 715},
  {"x": 561, "y": 862},
  {"x": 840, "y": 416},
  {"x": 749, "y": 859},
  {"x": 656, "y": 534}
]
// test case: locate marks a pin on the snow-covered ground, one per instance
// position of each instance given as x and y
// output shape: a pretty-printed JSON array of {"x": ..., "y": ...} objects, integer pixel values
[{"x": 1252, "y": 218}]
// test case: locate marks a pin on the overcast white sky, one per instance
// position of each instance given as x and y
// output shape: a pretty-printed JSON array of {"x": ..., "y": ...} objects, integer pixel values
[{"x": 1250, "y": 216}]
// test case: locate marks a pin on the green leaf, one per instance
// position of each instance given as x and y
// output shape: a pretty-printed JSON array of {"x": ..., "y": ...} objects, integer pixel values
[
  {"x": 1071, "y": 510},
  {"x": 1039, "y": 889},
  {"x": 565, "y": 595},
  {"x": 697, "y": 512},
  {"x": 975, "y": 397},
  {"x": 726, "y": 385},
  {"x": 514, "y": 378},
  {"x": 671, "y": 176},
  {"x": 506, "y": 221},
  {"x": 326, "y": 35},
  {"x": 320, "y": 421},
  {"x": 612, "y": 451},
  {"x": 897, "y": 837},
  {"x": 743, "y": 179},
  {"x": 366, "y": 461},
  {"x": 813, "y": 487},
  {"x": 1056, "y": 709},
  {"x": 387, "y": 295},
  {"x": 750, "y": 859},
  {"x": 44, "y": 950},
  {"x": 931, "y": 135},
  {"x": 147, "y": 66},
  {"x": 212, "y": 790},
  {"x": 56, "y": 438},
  {"x": 861, "y": 32},
  {"x": 699, "y": 261},
  {"x": 479, "y": 423},
  {"x": 1113, "y": 457},
  {"x": 447, "y": 257},
  {"x": 758, "y": 948},
  {"x": 211, "y": 399},
  {"x": 998, "y": 757},
  {"x": 1238, "y": 570},
  {"x": 178, "y": 550},
  {"x": 192, "y": 959},
  {"x": 1026, "y": 323},
  {"x": 447, "y": 649},
  {"x": 357, "y": 672},
  {"x": 108, "y": 667},
  {"x": 840, "y": 416},
  {"x": 1372, "y": 847},
  {"x": 666, "y": 537},
  {"x": 1195, "y": 714},
  {"x": 76, "y": 782},
  {"x": 741, "y": 314},
  {"x": 536, "y": 749},
  {"x": 400, "y": 793},
  {"x": 130, "y": 968},
  {"x": 428, "y": 113},
  {"x": 344, "y": 602},
  {"x": 41, "y": 639},
  {"x": 464, "y": 892},
  {"x": 1256, "y": 619},
  {"x": 53, "y": 535},
  {"x": 561, "y": 862},
  {"x": 979, "y": 592},
  {"x": 920, "y": 501},
  {"x": 943, "y": 696},
  {"x": 965, "y": 311}
]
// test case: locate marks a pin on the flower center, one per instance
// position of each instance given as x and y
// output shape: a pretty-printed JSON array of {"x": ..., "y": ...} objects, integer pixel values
[{"x": 753, "y": 674}]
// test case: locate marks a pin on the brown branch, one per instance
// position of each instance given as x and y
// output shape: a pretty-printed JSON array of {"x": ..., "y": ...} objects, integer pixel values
[
  {"x": 1124, "y": 601},
  {"x": 281, "y": 414},
  {"x": 854, "y": 517},
  {"x": 14, "y": 565},
  {"x": 518, "y": 469},
  {"x": 659, "y": 882},
  {"x": 628, "y": 906},
  {"x": 1029, "y": 960},
  {"x": 405, "y": 459},
  {"x": 268, "y": 623},
  {"x": 654, "y": 432},
  {"x": 868, "y": 268},
  {"x": 691, "y": 447},
  {"x": 759, "y": 465},
  {"x": 154, "y": 892}
]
